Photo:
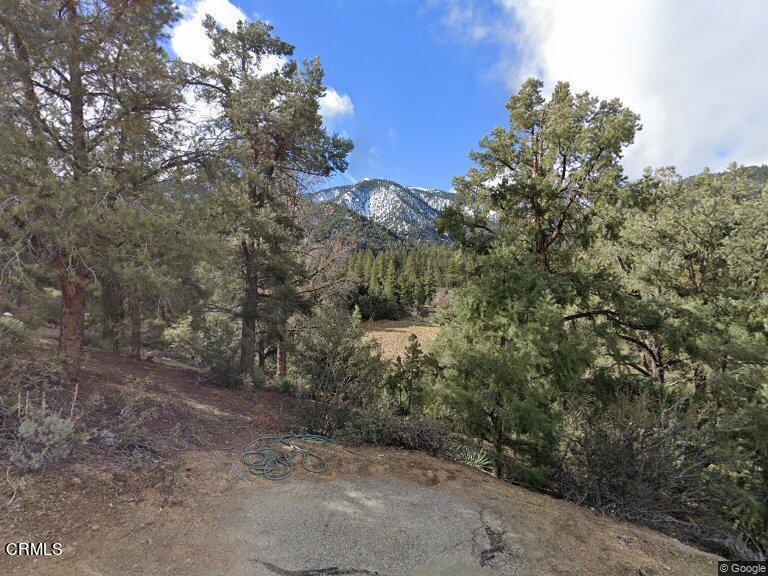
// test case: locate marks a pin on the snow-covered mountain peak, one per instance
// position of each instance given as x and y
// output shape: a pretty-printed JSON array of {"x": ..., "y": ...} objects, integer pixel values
[{"x": 409, "y": 211}]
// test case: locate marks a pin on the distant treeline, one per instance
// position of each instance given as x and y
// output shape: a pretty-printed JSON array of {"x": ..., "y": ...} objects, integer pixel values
[{"x": 395, "y": 283}]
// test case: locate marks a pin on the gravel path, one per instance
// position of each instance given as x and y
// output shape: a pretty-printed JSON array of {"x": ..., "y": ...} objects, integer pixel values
[{"x": 392, "y": 514}]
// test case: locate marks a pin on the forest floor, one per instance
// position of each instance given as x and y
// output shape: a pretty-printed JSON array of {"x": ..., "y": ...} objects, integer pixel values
[{"x": 179, "y": 510}]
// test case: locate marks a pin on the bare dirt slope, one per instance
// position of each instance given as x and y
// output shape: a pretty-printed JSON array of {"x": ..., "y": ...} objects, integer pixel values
[{"x": 386, "y": 512}]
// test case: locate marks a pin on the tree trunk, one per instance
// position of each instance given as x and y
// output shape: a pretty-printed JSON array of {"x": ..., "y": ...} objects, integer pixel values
[
  {"x": 114, "y": 337},
  {"x": 262, "y": 353},
  {"x": 655, "y": 359},
  {"x": 76, "y": 94},
  {"x": 498, "y": 439},
  {"x": 73, "y": 282},
  {"x": 282, "y": 360},
  {"x": 498, "y": 465},
  {"x": 72, "y": 317},
  {"x": 112, "y": 305},
  {"x": 249, "y": 311},
  {"x": 248, "y": 347},
  {"x": 135, "y": 311}
]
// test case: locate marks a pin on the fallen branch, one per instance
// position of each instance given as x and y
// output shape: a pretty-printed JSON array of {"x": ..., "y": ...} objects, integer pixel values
[{"x": 11, "y": 484}]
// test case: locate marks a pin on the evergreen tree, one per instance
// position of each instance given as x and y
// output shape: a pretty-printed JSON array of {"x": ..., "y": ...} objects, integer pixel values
[
  {"x": 507, "y": 358},
  {"x": 273, "y": 138},
  {"x": 396, "y": 281},
  {"x": 389, "y": 288},
  {"x": 77, "y": 104},
  {"x": 404, "y": 381},
  {"x": 686, "y": 310}
]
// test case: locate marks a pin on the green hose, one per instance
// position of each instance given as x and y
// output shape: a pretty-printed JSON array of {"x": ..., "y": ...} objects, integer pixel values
[{"x": 275, "y": 457}]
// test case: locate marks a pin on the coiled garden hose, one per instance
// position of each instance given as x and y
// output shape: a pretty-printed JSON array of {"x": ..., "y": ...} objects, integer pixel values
[{"x": 276, "y": 457}]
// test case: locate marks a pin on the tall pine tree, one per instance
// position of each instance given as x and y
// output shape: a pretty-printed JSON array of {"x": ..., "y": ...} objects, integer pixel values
[
  {"x": 507, "y": 357},
  {"x": 83, "y": 82},
  {"x": 267, "y": 108}
]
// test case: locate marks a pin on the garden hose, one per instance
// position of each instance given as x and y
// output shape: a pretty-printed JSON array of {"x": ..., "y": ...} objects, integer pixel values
[{"x": 276, "y": 457}]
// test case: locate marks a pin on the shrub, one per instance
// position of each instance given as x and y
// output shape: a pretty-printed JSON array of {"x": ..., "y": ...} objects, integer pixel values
[
  {"x": 477, "y": 457},
  {"x": 339, "y": 372},
  {"x": 285, "y": 386},
  {"x": 37, "y": 415},
  {"x": 128, "y": 430},
  {"x": 39, "y": 433},
  {"x": 13, "y": 335},
  {"x": 183, "y": 341},
  {"x": 259, "y": 378},
  {"x": 218, "y": 350},
  {"x": 646, "y": 460},
  {"x": 40, "y": 439},
  {"x": 11, "y": 328},
  {"x": 209, "y": 341},
  {"x": 385, "y": 429}
]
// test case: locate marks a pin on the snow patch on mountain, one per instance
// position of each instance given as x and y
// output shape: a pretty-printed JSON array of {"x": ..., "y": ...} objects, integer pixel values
[{"x": 408, "y": 211}]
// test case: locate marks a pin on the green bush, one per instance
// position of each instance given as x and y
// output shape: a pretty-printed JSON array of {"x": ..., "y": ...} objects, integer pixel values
[
  {"x": 477, "y": 457},
  {"x": 259, "y": 378},
  {"x": 40, "y": 439},
  {"x": 184, "y": 342},
  {"x": 13, "y": 332},
  {"x": 285, "y": 385},
  {"x": 209, "y": 341},
  {"x": 648, "y": 460},
  {"x": 386, "y": 429},
  {"x": 339, "y": 372}
]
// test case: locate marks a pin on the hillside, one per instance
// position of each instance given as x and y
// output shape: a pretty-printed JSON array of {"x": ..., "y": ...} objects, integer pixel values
[
  {"x": 407, "y": 211},
  {"x": 328, "y": 219},
  {"x": 756, "y": 177},
  {"x": 175, "y": 507}
]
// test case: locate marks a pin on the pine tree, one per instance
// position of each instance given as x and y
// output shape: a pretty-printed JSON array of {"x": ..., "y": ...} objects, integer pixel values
[
  {"x": 404, "y": 381},
  {"x": 389, "y": 288},
  {"x": 367, "y": 263},
  {"x": 75, "y": 100},
  {"x": 274, "y": 138},
  {"x": 508, "y": 358},
  {"x": 418, "y": 295}
]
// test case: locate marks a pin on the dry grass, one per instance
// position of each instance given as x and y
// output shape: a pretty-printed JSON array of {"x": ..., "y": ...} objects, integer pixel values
[{"x": 393, "y": 335}]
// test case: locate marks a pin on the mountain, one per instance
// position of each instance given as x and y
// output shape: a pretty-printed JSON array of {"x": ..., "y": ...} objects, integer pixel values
[
  {"x": 328, "y": 218},
  {"x": 408, "y": 211},
  {"x": 756, "y": 177}
]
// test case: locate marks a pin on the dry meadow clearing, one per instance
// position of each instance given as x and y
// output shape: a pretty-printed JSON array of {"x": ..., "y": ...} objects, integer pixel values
[{"x": 393, "y": 335}]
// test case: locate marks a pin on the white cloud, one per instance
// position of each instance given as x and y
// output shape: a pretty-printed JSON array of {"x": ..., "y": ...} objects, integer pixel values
[
  {"x": 188, "y": 38},
  {"x": 190, "y": 43},
  {"x": 694, "y": 71},
  {"x": 334, "y": 104},
  {"x": 465, "y": 18}
]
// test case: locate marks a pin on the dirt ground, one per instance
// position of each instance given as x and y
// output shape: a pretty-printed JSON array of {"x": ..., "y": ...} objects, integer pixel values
[
  {"x": 393, "y": 335},
  {"x": 380, "y": 511}
]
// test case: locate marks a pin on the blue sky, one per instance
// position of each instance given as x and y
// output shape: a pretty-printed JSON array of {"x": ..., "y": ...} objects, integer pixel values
[
  {"x": 421, "y": 100},
  {"x": 418, "y": 83}
]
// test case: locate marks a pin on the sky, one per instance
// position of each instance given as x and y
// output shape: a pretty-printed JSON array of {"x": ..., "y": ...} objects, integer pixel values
[{"x": 416, "y": 84}]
